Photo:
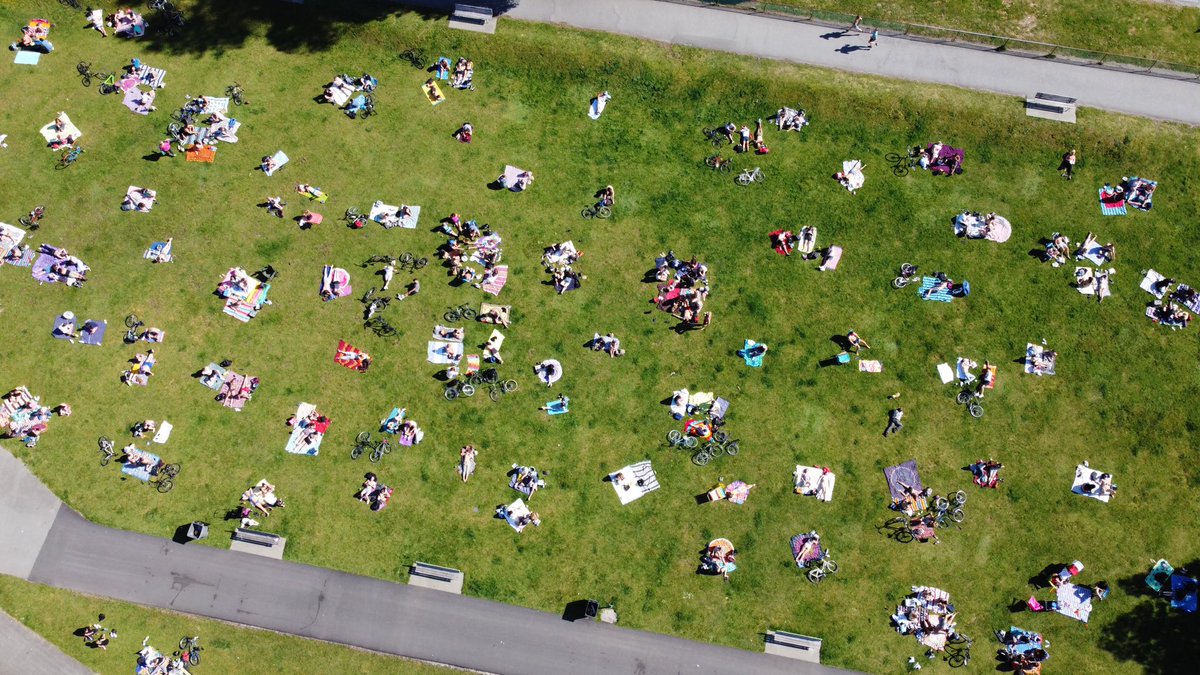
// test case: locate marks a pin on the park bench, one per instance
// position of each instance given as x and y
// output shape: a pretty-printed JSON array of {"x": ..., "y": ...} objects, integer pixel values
[
  {"x": 436, "y": 577},
  {"x": 255, "y": 537},
  {"x": 793, "y": 646},
  {"x": 473, "y": 17},
  {"x": 1051, "y": 107}
]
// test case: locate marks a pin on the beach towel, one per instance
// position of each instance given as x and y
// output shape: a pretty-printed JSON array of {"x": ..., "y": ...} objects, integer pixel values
[
  {"x": 953, "y": 156},
  {"x": 510, "y": 178},
  {"x": 928, "y": 283},
  {"x": 496, "y": 340},
  {"x": 497, "y": 281},
  {"x": 752, "y": 361},
  {"x": 409, "y": 222},
  {"x": 92, "y": 332},
  {"x": 133, "y": 29},
  {"x": 233, "y": 391},
  {"x": 141, "y": 472},
  {"x": 215, "y": 381},
  {"x": 138, "y": 195},
  {"x": 513, "y": 513},
  {"x": 27, "y": 259},
  {"x": 814, "y": 481},
  {"x": 442, "y": 352},
  {"x": 41, "y": 269},
  {"x": 280, "y": 159},
  {"x": 447, "y": 333},
  {"x": 1099, "y": 286},
  {"x": 303, "y": 441},
  {"x": 559, "y": 406},
  {"x": 1083, "y": 477},
  {"x": 388, "y": 216},
  {"x": 905, "y": 473},
  {"x": 1148, "y": 282},
  {"x": 1140, "y": 193},
  {"x": 1075, "y": 601},
  {"x": 1185, "y": 593},
  {"x": 337, "y": 280},
  {"x": 991, "y": 369},
  {"x": 962, "y": 370},
  {"x": 870, "y": 366},
  {"x": 163, "y": 434},
  {"x": 833, "y": 255},
  {"x": 807, "y": 242},
  {"x": 596, "y": 109},
  {"x": 502, "y": 311},
  {"x": 532, "y": 483},
  {"x": 216, "y": 104},
  {"x": 853, "y": 169},
  {"x": 433, "y": 93},
  {"x": 153, "y": 77},
  {"x": 798, "y": 543},
  {"x": 350, "y": 356},
  {"x": 69, "y": 129},
  {"x": 391, "y": 423},
  {"x": 138, "y": 102},
  {"x": 206, "y": 154},
  {"x": 224, "y": 131},
  {"x": 26, "y": 58},
  {"x": 10, "y": 237},
  {"x": 1092, "y": 254},
  {"x": 1034, "y": 353},
  {"x": 64, "y": 328},
  {"x": 738, "y": 492},
  {"x": 159, "y": 251},
  {"x": 549, "y": 371},
  {"x": 1111, "y": 204},
  {"x": 634, "y": 481}
]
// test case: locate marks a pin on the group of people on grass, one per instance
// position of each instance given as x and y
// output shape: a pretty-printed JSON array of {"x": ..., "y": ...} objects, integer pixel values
[{"x": 685, "y": 291}]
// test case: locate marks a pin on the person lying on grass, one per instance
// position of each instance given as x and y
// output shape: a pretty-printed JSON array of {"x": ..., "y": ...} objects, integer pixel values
[
  {"x": 609, "y": 344},
  {"x": 275, "y": 204}
]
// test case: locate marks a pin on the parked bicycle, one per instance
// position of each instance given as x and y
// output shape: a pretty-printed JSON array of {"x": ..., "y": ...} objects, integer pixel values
[
  {"x": 380, "y": 325},
  {"x": 106, "y": 450},
  {"x": 958, "y": 650},
  {"x": 718, "y": 445},
  {"x": 189, "y": 650},
  {"x": 819, "y": 569},
  {"x": 899, "y": 528},
  {"x": 455, "y": 389},
  {"x": 678, "y": 439},
  {"x": 718, "y": 163},
  {"x": 164, "y": 478},
  {"x": 901, "y": 164},
  {"x": 717, "y": 137},
  {"x": 950, "y": 502},
  {"x": 368, "y": 107},
  {"x": 749, "y": 176},
  {"x": 69, "y": 157},
  {"x": 86, "y": 73},
  {"x": 236, "y": 95},
  {"x": 375, "y": 259},
  {"x": 375, "y": 306},
  {"x": 496, "y": 387},
  {"x": 408, "y": 261},
  {"x": 132, "y": 324},
  {"x": 414, "y": 57},
  {"x": 970, "y": 398},
  {"x": 596, "y": 211},
  {"x": 908, "y": 274},
  {"x": 364, "y": 443},
  {"x": 463, "y": 312},
  {"x": 32, "y": 221},
  {"x": 355, "y": 218},
  {"x": 173, "y": 19}
]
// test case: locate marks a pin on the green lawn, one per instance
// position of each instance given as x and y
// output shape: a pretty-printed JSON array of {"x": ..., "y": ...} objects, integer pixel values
[
  {"x": 1151, "y": 30},
  {"x": 1121, "y": 399},
  {"x": 227, "y": 648}
]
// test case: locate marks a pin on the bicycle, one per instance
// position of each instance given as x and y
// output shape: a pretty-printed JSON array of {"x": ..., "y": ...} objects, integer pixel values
[
  {"x": 677, "y": 439},
  {"x": 596, "y": 211},
  {"x": 106, "y": 450},
  {"x": 164, "y": 479},
  {"x": 719, "y": 444},
  {"x": 408, "y": 261},
  {"x": 86, "y": 73},
  {"x": 189, "y": 650},
  {"x": 235, "y": 94},
  {"x": 460, "y": 312},
  {"x": 414, "y": 57},
  {"x": 381, "y": 327},
  {"x": 819, "y": 569},
  {"x": 908, "y": 274},
  {"x": 958, "y": 650},
  {"x": 901, "y": 164},
  {"x": 455, "y": 389},
  {"x": 716, "y": 136},
  {"x": 109, "y": 85},
  {"x": 73, "y": 4},
  {"x": 368, "y": 107},
  {"x": 900, "y": 529},
  {"x": 132, "y": 323},
  {"x": 496, "y": 386},
  {"x": 355, "y": 219},
  {"x": 378, "y": 448},
  {"x": 69, "y": 157},
  {"x": 718, "y": 163},
  {"x": 955, "y": 500},
  {"x": 377, "y": 305},
  {"x": 971, "y": 400},
  {"x": 32, "y": 221},
  {"x": 749, "y": 176}
]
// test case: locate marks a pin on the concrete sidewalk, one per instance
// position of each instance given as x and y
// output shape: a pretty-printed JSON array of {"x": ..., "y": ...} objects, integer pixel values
[
  {"x": 24, "y": 652},
  {"x": 741, "y": 33}
]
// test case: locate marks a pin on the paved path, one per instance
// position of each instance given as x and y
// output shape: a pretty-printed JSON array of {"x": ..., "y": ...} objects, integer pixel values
[
  {"x": 24, "y": 652},
  {"x": 336, "y": 607},
  {"x": 899, "y": 58}
]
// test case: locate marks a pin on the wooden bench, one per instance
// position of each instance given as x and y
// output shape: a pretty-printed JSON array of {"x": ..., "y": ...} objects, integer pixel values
[
  {"x": 1051, "y": 107},
  {"x": 436, "y": 577},
  {"x": 473, "y": 17},
  {"x": 793, "y": 646}
]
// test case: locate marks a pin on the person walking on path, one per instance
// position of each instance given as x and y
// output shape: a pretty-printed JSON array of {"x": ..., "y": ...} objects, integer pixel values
[
  {"x": 874, "y": 39},
  {"x": 1068, "y": 165},
  {"x": 894, "y": 424},
  {"x": 857, "y": 25}
]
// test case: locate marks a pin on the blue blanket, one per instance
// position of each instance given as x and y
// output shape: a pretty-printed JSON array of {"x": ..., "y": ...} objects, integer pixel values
[
  {"x": 752, "y": 361},
  {"x": 927, "y": 283},
  {"x": 140, "y": 472}
]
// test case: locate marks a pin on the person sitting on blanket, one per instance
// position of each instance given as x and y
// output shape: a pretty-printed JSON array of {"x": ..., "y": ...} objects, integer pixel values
[
  {"x": 463, "y": 135},
  {"x": 275, "y": 205},
  {"x": 141, "y": 199},
  {"x": 136, "y": 458},
  {"x": 307, "y": 219},
  {"x": 531, "y": 518},
  {"x": 338, "y": 85},
  {"x": 495, "y": 316},
  {"x": 1044, "y": 361},
  {"x": 987, "y": 472},
  {"x": 409, "y": 431},
  {"x": 1058, "y": 249},
  {"x": 441, "y": 69},
  {"x": 62, "y": 141},
  {"x": 368, "y": 488},
  {"x": 548, "y": 371},
  {"x": 432, "y": 90},
  {"x": 142, "y": 363},
  {"x": 16, "y": 253},
  {"x": 268, "y": 165}
]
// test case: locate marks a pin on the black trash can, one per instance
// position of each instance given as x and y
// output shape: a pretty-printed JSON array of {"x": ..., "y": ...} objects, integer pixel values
[{"x": 592, "y": 610}]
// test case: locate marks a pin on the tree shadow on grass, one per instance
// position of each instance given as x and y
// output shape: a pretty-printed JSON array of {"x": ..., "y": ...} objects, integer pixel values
[{"x": 1161, "y": 639}]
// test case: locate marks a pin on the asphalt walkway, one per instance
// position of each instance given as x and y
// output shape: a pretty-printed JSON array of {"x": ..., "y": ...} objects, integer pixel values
[
  {"x": 24, "y": 652},
  {"x": 323, "y": 604},
  {"x": 894, "y": 57}
]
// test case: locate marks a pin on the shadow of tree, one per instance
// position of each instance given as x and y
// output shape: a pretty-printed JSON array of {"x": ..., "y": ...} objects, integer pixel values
[
  {"x": 1161, "y": 639},
  {"x": 315, "y": 25}
]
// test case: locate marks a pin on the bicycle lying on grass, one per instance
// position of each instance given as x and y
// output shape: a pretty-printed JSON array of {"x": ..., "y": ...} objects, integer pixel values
[
  {"x": 378, "y": 448},
  {"x": 677, "y": 439},
  {"x": 970, "y": 398},
  {"x": 491, "y": 379},
  {"x": 908, "y": 274},
  {"x": 69, "y": 157},
  {"x": 717, "y": 137},
  {"x": 455, "y": 389},
  {"x": 463, "y": 312},
  {"x": 164, "y": 477},
  {"x": 235, "y": 94},
  {"x": 958, "y": 650},
  {"x": 106, "y": 450},
  {"x": 32, "y": 221},
  {"x": 720, "y": 444},
  {"x": 749, "y": 176},
  {"x": 596, "y": 211},
  {"x": 132, "y": 324},
  {"x": 189, "y": 650},
  {"x": 901, "y": 164},
  {"x": 819, "y": 569},
  {"x": 380, "y": 325},
  {"x": 718, "y": 163}
]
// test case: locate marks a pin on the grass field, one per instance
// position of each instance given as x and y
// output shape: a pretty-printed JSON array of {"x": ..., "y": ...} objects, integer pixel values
[
  {"x": 1122, "y": 398},
  {"x": 1151, "y": 30},
  {"x": 227, "y": 648}
]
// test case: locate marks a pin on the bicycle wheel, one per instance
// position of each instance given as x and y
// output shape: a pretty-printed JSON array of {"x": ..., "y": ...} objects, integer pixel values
[
  {"x": 106, "y": 88},
  {"x": 701, "y": 458},
  {"x": 406, "y": 258},
  {"x": 743, "y": 179},
  {"x": 713, "y": 161},
  {"x": 900, "y": 282},
  {"x": 603, "y": 212},
  {"x": 165, "y": 485},
  {"x": 815, "y": 575},
  {"x": 904, "y": 536},
  {"x": 363, "y": 437},
  {"x": 940, "y": 503},
  {"x": 715, "y": 449},
  {"x": 468, "y": 390},
  {"x": 173, "y": 129},
  {"x": 466, "y": 313},
  {"x": 131, "y": 321},
  {"x": 963, "y": 397},
  {"x": 451, "y": 316},
  {"x": 732, "y": 448},
  {"x": 386, "y": 330},
  {"x": 376, "y": 454},
  {"x": 720, "y": 436},
  {"x": 674, "y": 437},
  {"x": 194, "y": 657},
  {"x": 895, "y": 158},
  {"x": 690, "y": 442},
  {"x": 908, "y": 270},
  {"x": 960, "y": 498},
  {"x": 587, "y": 212},
  {"x": 959, "y": 659},
  {"x": 957, "y": 515},
  {"x": 451, "y": 393},
  {"x": 356, "y": 451},
  {"x": 900, "y": 170},
  {"x": 509, "y": 386},
  {"x": 725, "y": 167},
  {"x": 475, "y": 379},
  {"x": 494, "y": 394},
  {"x": 976, "y": 410},
  {"x": 25, "y": 221},
  {"x": 184, "y": 643}
]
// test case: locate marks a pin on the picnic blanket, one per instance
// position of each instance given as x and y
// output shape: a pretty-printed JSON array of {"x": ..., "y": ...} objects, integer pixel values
[
  {"x": 1033, "y": 353},
  {"x": 596, "y": 108},
  {"x": 350, "y": 356},
  {"x": 206, "y": 154},
  {"x": 217, "y": 379},
  {"x": 532, "y": 483},
  {"x": 224, "y": 131},
  {"x": 27, "y": 58},
  {"x": 64, "y": 327},
  {"x": 814, "y": 481},
  {"x": 10, "y": 238},
  {"x": 510, "y": 178},
  {"x": 153, "y": 77},
  {"x": 141, "y": 471},
  {"x": 738, "y": 492},
  {"x": 814, "y": 553},
  {"x": 967, "y": 225},
  {"x": 833, "y": 255},
  {"x": 868, "y": 366},
  {"x": 163, "y": 433},
  {"x": 1083, "y": 477},
  {"x": 853, "y": 169},
  {"x": 433, "y": 93},
  {"x": 92, "y": 332},
  {"x": 391, "y": 423},
  {"x": 502, "y": 311},
  {"x": 137, "y": 101},
  {"x": 442, "y": 352},
  {"x": 302, "y": 441},
  {"x": 559, "y": 406},
  {"x": 633, "y": 481},
  {"x": 905, "y": 473},
  {"x": 962, "y": 369},
  {"x": 1091, "y": 251},
  {"x": 337, "y": 280},
  {"x": 953, "y": 158},
  {"x": 1140, "y": 193},
  {"x": 1149, "y": 281},
  {"x": 1112, "y": 203},
  {"x": 1075, "y": 601},
  {"x": 448, "y": 333},
  {"x": 928, "y": 283},
  {"x": 133, "y": 28},
  {"x": 549, "y": 371},
  {"x": 139, "y": 195},
  {"x": 1099, "y": 278},
  {"x": 69, "y": 129},
  {"x": 752, "y": 361},
  {"x": 513, "y": 513},
  {"x": 26, "y": 259},
  {"x": 245, "y": 309},
  {"x": 497, "y": 281},
  {"x": 280, "y": 159},
  {"x": 159, "y": 251}
]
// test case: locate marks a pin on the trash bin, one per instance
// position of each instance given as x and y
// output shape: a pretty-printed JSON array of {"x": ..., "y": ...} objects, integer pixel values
[
  {"x": 591, "y": 610},
  {"x": 198, "y": 530}
]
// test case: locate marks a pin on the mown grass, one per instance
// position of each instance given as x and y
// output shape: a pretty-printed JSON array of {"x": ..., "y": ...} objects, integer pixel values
[
  {"x": 1140, "y": 28},
  {"x": 227, "y": 648},
  {"x": 1121, "y": 399}
]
